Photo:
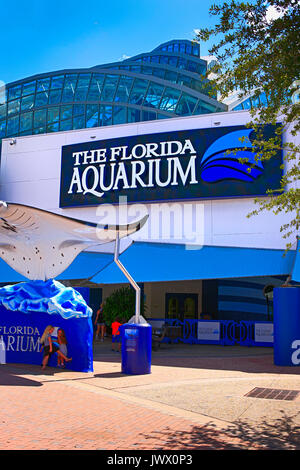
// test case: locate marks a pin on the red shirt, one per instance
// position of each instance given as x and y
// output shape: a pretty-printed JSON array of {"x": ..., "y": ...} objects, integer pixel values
[{"x": 115, "y": 328}]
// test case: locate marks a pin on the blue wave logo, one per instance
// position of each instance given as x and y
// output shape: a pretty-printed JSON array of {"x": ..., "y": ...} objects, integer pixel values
[{"x": 218, "y": 165}]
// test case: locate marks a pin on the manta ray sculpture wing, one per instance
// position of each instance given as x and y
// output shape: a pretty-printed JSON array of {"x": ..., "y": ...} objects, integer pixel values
[{"x": 40, "y": 245}]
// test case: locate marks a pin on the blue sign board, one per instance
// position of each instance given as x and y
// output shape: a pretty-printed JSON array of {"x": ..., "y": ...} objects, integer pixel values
[
  {"x": 21, "y": 333},
  {"x": 177, "y": 165}
]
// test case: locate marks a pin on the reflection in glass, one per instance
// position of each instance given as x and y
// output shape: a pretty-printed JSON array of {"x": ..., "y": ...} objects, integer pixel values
[
  {"x": 69, "y": 88},
  {"x": 43, "y": 84},
  {"x": 2, "y": 111},
  {"x": 96, "y": 87},
  {"x": 14, "y": 92},
  {"x": 54, "y": 127},
  {"x": 138, "y": 91},
  {"x": 13, "y": 107},
  {"x": 154, "y": 94},
  {"x": 2, "y": 129},
  {"x": 109, "y": 89},
  {"x": 54, "y": 96},
  {"x": 41, "y": 99},
  {"x": 39, "y": 119},
  {"x": 105, "y": 116},
  {"x": 57, "y": 82},
  {"x": 13, "y": 126},
  {"x": 53, "y": 114},
  {"x": 169, "y": 99},
  {"x": 66, "y": 125},
  {"x": 186, "y": 105},
  {"x": 92, "y": 115},
  {"x": 66, "y": 112},
  {"x": 78, "y": 109},
  {"x": 124, "y": 88},
  {"x": 133, "y": 115},
  {"x": 119, "y": 114},
  {"x": 25, "y": 122},
  {"x": 82, "y": 87},
  {"x": 27, "y": 103},
  {"x": 28, "y": 88}
]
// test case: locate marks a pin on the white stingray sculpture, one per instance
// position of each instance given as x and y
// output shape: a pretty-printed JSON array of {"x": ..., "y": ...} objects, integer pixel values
[{"x": 40, "y": 245}]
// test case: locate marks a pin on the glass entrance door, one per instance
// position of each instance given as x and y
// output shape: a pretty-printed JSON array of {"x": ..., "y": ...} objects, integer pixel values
[{"x": 181, "y": 306}]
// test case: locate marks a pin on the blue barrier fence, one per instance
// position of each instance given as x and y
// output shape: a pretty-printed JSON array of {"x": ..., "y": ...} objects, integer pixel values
[{"x": 223, "y": 332}]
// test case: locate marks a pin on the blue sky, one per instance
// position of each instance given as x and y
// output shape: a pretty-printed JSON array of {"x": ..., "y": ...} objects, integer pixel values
[{"x": 42, "y": 36}]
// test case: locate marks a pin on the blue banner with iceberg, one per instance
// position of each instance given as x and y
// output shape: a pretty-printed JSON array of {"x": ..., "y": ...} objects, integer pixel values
[{"x": 27, "y": 308}]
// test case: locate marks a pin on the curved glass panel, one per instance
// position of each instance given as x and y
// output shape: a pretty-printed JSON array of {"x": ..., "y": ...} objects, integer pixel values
[
  {"x": 105, "y": 116},
  {"x": 96, "y": 87},
  {"x": 170, "y": 99},
  {"x": 85, "y": 98},
  {"x": 68, "y": 92},
  {"x": 138, "y": 91},
  {"x": 82, "y": 87},
  {"x": 186, "y": 105},
  {"x": 154, "y": 95},
  {"x": 124, "y": 88},
  {"x": 109, "y": 88}
]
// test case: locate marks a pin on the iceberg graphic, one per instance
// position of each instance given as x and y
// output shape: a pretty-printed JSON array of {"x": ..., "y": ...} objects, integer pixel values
[
  {"x": 218, "y": 165},
  {"x": 50, "y": 297}
]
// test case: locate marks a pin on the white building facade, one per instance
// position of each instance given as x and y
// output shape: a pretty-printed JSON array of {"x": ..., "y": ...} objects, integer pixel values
[{"x": 199, "y": 255}]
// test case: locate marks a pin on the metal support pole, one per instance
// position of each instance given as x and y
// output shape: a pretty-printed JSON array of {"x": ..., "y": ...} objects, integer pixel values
[{"x": 130, "y": 279}]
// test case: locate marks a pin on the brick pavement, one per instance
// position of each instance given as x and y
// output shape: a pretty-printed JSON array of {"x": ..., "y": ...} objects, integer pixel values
[
  {"x": 54, "y": 415},
  {"x": 65, "y": 410}
]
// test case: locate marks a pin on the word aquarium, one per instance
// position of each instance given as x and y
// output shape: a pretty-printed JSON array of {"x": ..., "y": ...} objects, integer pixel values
[
  {"x": 154, "y": 167},
  {"x": 146, "y": 173}
]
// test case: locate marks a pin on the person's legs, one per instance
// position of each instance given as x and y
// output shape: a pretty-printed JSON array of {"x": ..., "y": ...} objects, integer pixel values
[
  {"x": 98, "y": 331},
  {"x": 102, "y": 332},
  {"x": 67, "y": 359},
  {"x": 45, "y": 362}
]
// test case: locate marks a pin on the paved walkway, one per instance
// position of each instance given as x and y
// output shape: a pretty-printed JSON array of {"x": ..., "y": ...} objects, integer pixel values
[{"x": 194, "y": 398}]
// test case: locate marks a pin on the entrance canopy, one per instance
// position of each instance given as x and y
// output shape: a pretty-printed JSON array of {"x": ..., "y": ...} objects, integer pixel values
[
  {"x": 158, "y": 262},
  {"x": 152, "y": 262}
]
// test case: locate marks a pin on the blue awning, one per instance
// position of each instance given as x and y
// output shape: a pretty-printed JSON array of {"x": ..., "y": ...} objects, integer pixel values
[{"x": 158, "y": 262}]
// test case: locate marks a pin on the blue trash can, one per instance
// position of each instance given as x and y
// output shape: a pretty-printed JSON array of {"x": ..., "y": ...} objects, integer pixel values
[
  {"x": 286, "y": 326},
  {"x": 136, "y": 348}
]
